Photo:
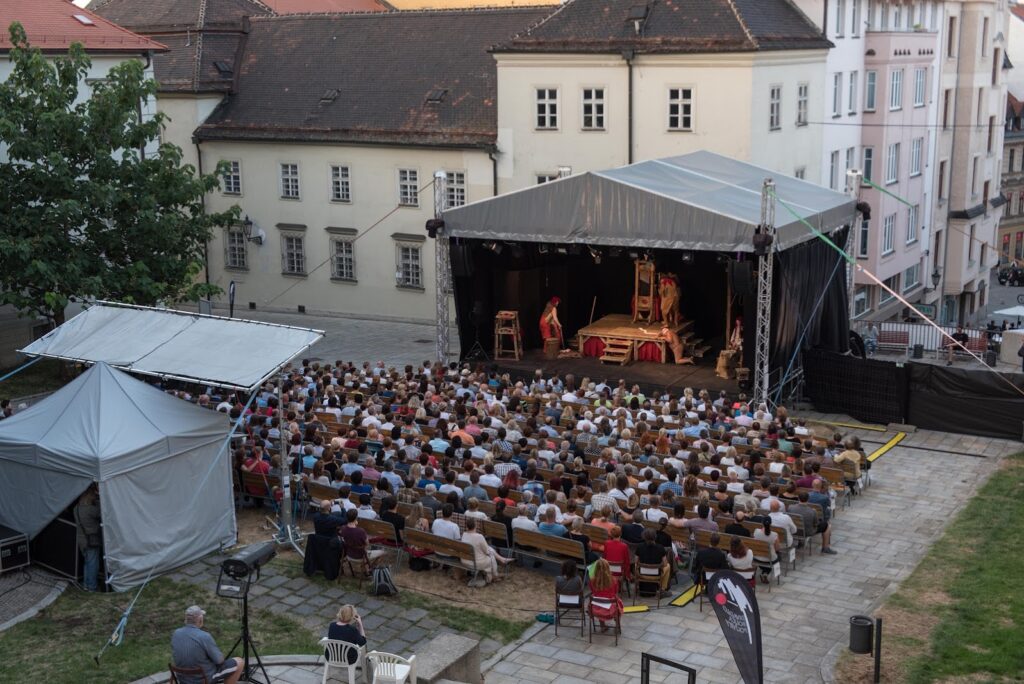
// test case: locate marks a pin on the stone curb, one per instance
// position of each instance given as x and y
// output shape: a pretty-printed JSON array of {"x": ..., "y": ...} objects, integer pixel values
[
  {"x": 530, "y": 632},
  {"x": 268, "y": 661},
  {"x": 56, "y": 591}
]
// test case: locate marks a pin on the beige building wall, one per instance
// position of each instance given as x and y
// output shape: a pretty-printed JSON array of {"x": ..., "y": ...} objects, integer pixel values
[
  {"x": 373, "y": 220},
  {"x": 730, "y": 111},
  {"x": 185, "y": 113}
]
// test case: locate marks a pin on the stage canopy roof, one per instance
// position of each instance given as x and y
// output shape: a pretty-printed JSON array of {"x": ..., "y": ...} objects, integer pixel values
[
  {"x": 225, "y": 352},
  {"x": 699, "y": 201}
]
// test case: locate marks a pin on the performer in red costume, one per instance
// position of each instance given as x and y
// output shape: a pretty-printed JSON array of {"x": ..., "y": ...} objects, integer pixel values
[{"x": 549, "y": 324}]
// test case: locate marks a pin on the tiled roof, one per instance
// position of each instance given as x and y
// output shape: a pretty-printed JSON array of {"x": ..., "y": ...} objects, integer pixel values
[
  {"x": 321, "y": 6},
  {"x": 367, "y": 78},
  {"x": 52, "y": 26},
  {"x": 1017, "y": 11},
  {"x": 670, "y": 26},
  {"x": 200, "y": 35}
]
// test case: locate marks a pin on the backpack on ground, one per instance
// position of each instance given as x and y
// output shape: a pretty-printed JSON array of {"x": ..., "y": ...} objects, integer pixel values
[{"x": 382, "y": 583}]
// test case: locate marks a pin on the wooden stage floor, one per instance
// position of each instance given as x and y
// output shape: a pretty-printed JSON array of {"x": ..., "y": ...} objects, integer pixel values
[{"x": 649, "y": 375}]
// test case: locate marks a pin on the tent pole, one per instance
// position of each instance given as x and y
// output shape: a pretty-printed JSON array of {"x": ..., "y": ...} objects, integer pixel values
[
  {"x": 442, "y": 269},
  {"x": 765, "y": 267},
  {"x": 286, "y": 532}
]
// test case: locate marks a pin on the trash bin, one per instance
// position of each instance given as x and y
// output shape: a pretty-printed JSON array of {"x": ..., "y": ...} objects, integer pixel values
[
  {"x": 862, "y": 632},
  {"x": 918, "y": 351},
  {"x": 990, "y": 358}
]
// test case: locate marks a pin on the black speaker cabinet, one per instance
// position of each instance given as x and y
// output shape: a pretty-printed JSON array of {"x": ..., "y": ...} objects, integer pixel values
[{"x": 13, "y": 549}]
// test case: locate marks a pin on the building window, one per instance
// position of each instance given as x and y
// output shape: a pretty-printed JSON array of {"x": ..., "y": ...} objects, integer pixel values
[
  {"x": 233, "y": 178},
  {"x": 680, "y": 109},
  {"x": 855, "y": 19},
  {"x": 997, "y": 64},
  {"x": 892, "y": 163},
  {"x": 970, "y": 244},
  {"x": 870, "y": 81},
  {"x": 289, "y": 181},
  {"x": 410, "y": 266},
  {"x": 991, "y": 133},
  {"x": 920, "y": 86},
  {"x": 912, "y": 214},
  {"x": 1020, "y": 203},
  {"x": 942, "y": 180},
  {"x": 547, "y": 108},
  {"x": 840, "y": 17},
  {"x": 896, "y": 89},
  {"x": 862, "y": 241},
  {"x": 341, "y": 184},
  {"x": 912, "y": 278},
  {"x": 833, "y": 170},
  {"x": 800, "y": 173},
  {"x": 593, "y": 109},
  {"x": 984, "y": 37},
  {"x": 837, "y": 93},
  {"x": 1010, "y": 160},
  {"x": 546, "y": 178},
  {"x": 889, "y": 234},
  {"x": 235, "y": 253},
  {"x": 409, "y": 187},
  {"x": 885, "y": 294},
  {"x": 455, "y": 188},
  {"x": 860, "y": 300},
  {"x": 801, "y": 104},
  {"x": 775, "y": 107},
  {"x": 974, "y": 176},
  {"x": 947, "y": 108},
  {"x": 293, "y": 254},
  {"x": 869, "y": 163},
  {"x": 851, "y": 156},
  {"x": 851, "y": 94},
  {"x": 343, "y": 259},
  {"x": 884, "y": 23},
  {"x": 916, "y": 152},
  {"x": 981, "y": 107}
]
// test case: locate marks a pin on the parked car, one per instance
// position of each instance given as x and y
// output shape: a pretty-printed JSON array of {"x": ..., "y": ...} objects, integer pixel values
[{"x": 1012, "y": 276}]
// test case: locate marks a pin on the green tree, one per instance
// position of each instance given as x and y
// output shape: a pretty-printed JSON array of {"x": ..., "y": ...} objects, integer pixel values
[{"x": 84, "y": 211}]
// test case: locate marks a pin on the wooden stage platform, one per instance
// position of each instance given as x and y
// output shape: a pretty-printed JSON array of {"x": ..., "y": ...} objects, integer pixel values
[
  {"x": 618, "y": 339},
  {"x": 651, "y": 376}
]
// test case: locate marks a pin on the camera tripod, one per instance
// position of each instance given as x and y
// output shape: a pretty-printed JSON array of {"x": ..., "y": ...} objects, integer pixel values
[{"x": 249, "y": 670}]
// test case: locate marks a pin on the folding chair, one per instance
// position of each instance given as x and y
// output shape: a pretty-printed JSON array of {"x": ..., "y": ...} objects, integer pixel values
[{"x": 568, "y": 604}]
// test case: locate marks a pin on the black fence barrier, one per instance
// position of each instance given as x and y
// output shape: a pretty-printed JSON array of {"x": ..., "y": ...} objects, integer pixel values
[
  {"x": 645, "y": 668},
  {"x": 868, "y": 390},
  {"x": 971, "y": 402}
]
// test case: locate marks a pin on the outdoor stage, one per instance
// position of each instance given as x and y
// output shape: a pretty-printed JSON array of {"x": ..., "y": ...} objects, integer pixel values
[
  {"x": 645, "y": 338},
  {"x": 649, "y": 375}
]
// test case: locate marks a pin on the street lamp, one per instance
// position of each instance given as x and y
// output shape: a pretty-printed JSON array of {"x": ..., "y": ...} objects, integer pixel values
[
  {"x": 247, "y": 225},
  {"x": 936, "y": 278}
]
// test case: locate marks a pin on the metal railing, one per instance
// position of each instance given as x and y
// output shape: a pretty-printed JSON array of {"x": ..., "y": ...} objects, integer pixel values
[
  {"x": 918, "y": 333},
  {"x": 645, "y": 668}
]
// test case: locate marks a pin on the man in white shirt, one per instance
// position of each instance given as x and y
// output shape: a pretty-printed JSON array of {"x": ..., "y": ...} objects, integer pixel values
[
  {"x": 522, "y": 521},
  {"x": 489, "y": 479},
  {"x": 550, "y": 498},
  {"x": 780, "y": 519},
  {"x": 444, "y": 526}
]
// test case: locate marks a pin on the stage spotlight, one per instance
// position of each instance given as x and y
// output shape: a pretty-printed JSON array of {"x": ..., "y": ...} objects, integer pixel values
[
  {"x": 633, "y": 254},
  {"x": 433, "y": 226},
  {"x": 865, "y": 210},
  {"x": 762, "y": 241},
  {"x": 596, "y": 254},
  {"x": 562, "y": 249},
  {"x": 494, "y": 247},
  {"x": 542, "y": 249},
  {"x": 687, "y": 256}
]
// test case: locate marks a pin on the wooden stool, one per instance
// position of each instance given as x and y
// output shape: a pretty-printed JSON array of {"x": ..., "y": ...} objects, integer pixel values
[
  {"x": 551, "y": 348},
  {"x": 506, "y": 325}
]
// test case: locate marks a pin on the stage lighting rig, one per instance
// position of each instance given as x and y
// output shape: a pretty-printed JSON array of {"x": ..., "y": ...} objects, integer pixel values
[
  {"x": 596, "y": 254},
  {"x": 236, "y": 575},
  {"x": 435, "y": 226},
  {"x": 762, "y": 241}
]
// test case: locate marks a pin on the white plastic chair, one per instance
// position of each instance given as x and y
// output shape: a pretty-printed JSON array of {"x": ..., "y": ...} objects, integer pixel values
[
  {"x": 336, "y": 655},
  {"x": 389, "y": 668}
]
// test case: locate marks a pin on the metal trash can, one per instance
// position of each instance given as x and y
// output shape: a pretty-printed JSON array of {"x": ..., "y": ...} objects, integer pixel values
[
  {"x": 990, "y": 358},
  {"x": 862, "y": 632},
  {"x": 918, "y": 352}
]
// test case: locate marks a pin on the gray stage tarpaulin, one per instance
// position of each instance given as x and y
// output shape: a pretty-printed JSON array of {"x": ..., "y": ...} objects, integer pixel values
[
  {"x": 163, "y": 502},
  {"x": 698, "y": 201},
  {"x": 226, "y": 352}
]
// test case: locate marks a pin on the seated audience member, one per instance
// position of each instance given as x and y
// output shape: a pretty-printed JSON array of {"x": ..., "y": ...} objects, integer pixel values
[
  {"x": 348, "y": 627},
  {"x": 780, "y": 519},
  {"x": 709, "y": 559},
  {"x": 326, "y": 523},
  {"x": 852, "y": 457},
  {"x": 812, "y": 524},
  {"x": 356, "y": 541},
  {"x": 445, "y": 526},
  {"x": 765, "y": 533},
  {"x": 616, "y": 552},
  {"x": 429, "y": 499},
  {"x": 605, "y": 520},
  {"x": 365, "y": 509},
  {"x": 653, "y": 553},
  {"x": 605, "y": 604},
  {"x": 568, "y": 582},
  {"x": 485, "y": 559},
  {"x": 736, "y": 527},
  {"x": 502, "y": 518},
  {"x": 703, "y": 520},
  {"x": 192, "y": 646},
  {"x": 576, "y": 533},
  {"x": 741, "y": 558},
  {"x": 389, "y": 514},
  {"x": 550, "y": 526},
  {"x": 633, "y": 531}
]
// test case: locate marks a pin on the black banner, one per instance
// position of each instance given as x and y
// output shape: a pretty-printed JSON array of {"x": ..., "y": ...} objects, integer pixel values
[{"x": 740, "y": 618}]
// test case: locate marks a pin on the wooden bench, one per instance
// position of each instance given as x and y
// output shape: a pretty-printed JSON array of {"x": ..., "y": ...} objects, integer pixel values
[
  {"x": 546, "y": 547},
  {"x": 262, "y": 483},
  {"x": 382, "y": 535},
  {"x": 975, "y": 345},
  {"x": 894, "y": 340},
  {"x": 443, "y": 550},
  {"x": 759, "y": 547}
]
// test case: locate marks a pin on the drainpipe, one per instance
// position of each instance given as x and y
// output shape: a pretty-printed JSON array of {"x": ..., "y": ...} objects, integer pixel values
[
  {"x": 494, "y": 172},
  {"x": 628, "y": 55},
  {"x": 206, "y": 245}
]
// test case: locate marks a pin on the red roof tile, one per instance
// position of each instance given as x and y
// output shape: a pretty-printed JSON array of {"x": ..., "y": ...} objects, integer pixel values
[
  {"x": 51, "y": 26},
  {"x": 318, "y": 6}
]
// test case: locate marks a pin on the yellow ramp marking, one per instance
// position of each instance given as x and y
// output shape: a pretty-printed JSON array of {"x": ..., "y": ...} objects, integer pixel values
[
  {"x": 636, "y": 609},
  {"x": 685, "y": 598},
  {"x": 881, "y": 451}
]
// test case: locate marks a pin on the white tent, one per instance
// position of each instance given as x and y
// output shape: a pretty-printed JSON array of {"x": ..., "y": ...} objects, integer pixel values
[{"x": 165, "y": 497}]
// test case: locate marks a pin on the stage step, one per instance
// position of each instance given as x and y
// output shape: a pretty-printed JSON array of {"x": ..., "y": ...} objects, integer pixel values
[
  {"x": 700, "y": 349},
  {"x": 617, "y": 351}
]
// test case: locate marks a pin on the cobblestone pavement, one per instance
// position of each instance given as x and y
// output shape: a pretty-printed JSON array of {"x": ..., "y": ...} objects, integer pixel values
[
  {"x": 23, "y": 593},
  {"x": 389, "y": 627},
  {"x": 880, "y": 539}
]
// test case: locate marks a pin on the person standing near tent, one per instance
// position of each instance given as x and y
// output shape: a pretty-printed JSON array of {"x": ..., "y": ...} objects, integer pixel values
[{"x": 90, "y": 538}]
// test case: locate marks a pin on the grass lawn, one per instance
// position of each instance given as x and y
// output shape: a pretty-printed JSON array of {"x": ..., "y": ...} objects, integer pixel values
[
  {"x": 960, "y": 615},
  {"x": 42, "y": 376},
  {"x": 58, "y": 645}
]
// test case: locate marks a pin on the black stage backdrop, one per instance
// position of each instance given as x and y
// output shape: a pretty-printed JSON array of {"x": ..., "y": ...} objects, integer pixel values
[
  {"x": 523, "y": 279},
  {"x": 868, "y": 390},
  {"x": 973, "y": 402}
]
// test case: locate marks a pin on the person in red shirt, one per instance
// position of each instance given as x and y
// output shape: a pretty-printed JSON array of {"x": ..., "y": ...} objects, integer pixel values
[
  {"x": 605, "y": 604},
  {"x": 254, "y": 464},
  {"x": 616, "y": 551}
]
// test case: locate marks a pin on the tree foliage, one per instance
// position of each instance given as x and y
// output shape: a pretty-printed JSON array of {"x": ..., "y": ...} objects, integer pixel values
[{"x": 85, "y": 212}]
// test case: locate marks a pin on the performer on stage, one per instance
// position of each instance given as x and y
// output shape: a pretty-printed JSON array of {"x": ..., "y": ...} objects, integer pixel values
[
  {"x": 736, "y": 339},
  {"x": 549, "y": 324},
  {"x": 675, "y": 344},
  {"x": 668, "y": 292}
]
